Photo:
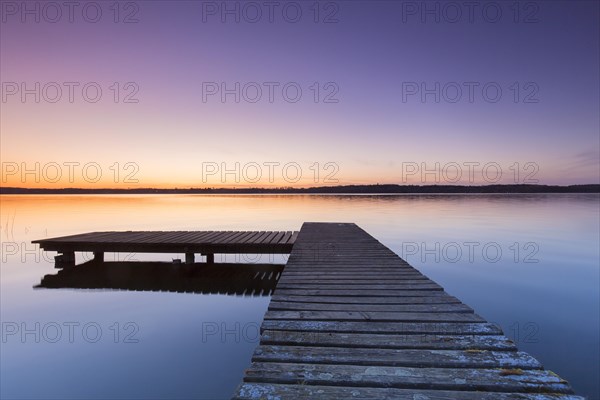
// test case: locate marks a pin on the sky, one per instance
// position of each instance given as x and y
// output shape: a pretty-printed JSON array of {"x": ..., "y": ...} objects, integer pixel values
[{"x": 305, "y": 93}]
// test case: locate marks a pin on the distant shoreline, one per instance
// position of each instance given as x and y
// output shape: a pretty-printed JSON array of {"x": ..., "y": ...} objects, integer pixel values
[{"x": 343, "y": 189}]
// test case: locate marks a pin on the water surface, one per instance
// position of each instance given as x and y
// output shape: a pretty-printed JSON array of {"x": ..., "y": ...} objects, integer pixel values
[{"x": 527, "y": 262}]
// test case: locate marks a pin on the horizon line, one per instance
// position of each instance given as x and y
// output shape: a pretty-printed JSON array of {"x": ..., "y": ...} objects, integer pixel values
[{"x": 356, "y": 188}]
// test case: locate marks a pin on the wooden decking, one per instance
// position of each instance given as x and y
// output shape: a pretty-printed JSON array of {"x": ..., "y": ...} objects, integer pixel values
[
  {"x": 188, "y": 242},
  {"x": 351, "y": 319}
]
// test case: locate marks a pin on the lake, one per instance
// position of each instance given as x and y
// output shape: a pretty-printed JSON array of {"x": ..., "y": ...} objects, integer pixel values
[{"x": 529, "y": 263}]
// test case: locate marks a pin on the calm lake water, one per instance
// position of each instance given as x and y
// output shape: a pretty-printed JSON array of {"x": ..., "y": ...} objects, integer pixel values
[{"x": 527, "y": 262}]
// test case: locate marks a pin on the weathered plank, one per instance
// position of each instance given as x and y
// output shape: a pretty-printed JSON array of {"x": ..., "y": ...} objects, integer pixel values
[
  {"x": 359, "y": 292},
  {"x": 488, "y": 379},
  {"x": 365, "y": 299},
  {"x": 427, "y": 358},
  {"x": 354, "y": 279},
  {"x": 256, "y": 391},
  {"x": 416, "y": 308},
  {"x": 388, "y": 341},
  {"x": 431, "y": 328},
  {"x": 364, "y": 286},
  {"x": 372, "y": 316}
]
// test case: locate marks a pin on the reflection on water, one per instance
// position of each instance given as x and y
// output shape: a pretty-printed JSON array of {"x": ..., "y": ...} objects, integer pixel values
[
  {"x": 528, "y": 262},
  {"x": 202, "y": 278}
]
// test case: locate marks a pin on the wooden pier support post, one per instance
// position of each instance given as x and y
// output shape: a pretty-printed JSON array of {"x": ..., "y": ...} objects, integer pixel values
[
  {"x": 99, "y": 256},
  {"x": 190, "y": 258},
  {"x": 65, "y": 260}
]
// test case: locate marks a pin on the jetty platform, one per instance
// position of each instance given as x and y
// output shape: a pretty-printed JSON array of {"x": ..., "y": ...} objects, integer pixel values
[
  {"x": 350, "y": 319},
  {"x": 355, "y": 321},
  {"x": 190, "y": 243}
]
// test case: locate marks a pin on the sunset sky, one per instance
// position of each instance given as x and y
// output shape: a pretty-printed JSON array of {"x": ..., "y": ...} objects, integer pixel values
[{"x": 361, "y": 67}]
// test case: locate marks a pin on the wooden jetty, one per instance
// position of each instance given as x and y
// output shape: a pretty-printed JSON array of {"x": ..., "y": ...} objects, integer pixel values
[
  {"x": 207, "y": 243},
  {"x": 351, "y": 319}
]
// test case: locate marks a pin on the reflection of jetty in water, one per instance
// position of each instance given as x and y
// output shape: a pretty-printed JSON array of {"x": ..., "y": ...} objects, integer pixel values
[{"x": 221, "y": 278}]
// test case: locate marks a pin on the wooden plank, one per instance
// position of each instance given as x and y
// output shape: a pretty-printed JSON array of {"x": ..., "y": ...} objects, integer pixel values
[
  {"x": 183, "y": 238},
  {"x": 170, "y": 237},
  {"x": 358, "y": 286},
  {"x": 234, "y": 238},
  {"x": 352, "y": 259},
  {"x": 124, "y": 237},
  {"x": 157, "y": 239},
  {"x": 190, "y": 238},
  {"x": 359, "y": 292},
  {"x": 495, "y": 380},
  {"x": 295, "y": 273},
  {"x": 357, "y": 279},
  {"x": 268, "y": 238},
  {"x": 277, "y": 237},
  {"x": 286, "y": 237},
  {"x": 350, "y": 279},
  {"x": 251, "y": 237},
  {"x": 199, "y": 237},
  {"x": 418, "y": 358},
  {"x": 345, "y": 268},
  {"x": 388, "y": 341},
  {"x": 209, "y": 237},
  {"x": 242, "y": 236},
  {"x": 365, "y": 299},
  {"x": 151, "y": 237},
  {"x": 224, "y": 236},
  {"x": 432, "y": 308},
  {"x": 109, "y": 236},
  {"x": 294, "y": 237},
  {"x": 372, "y": 316},
  {"x": 380, "y": 327},
  {"x": 256, "y": 391},
  {"x": 259, "y": 239},
  {"x": 147, "y": 237}
]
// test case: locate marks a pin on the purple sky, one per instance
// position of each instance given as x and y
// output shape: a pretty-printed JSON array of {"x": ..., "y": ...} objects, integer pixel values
[{"x": 374, "y": 61}]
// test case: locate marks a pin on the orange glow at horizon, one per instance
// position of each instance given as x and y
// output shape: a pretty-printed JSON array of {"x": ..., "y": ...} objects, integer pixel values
[{"x": 106, "y": 174}]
